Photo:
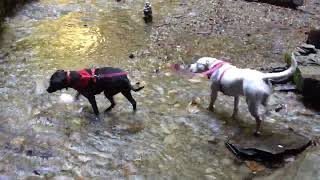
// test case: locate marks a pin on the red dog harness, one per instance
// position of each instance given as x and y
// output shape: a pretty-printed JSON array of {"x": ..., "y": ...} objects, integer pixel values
[{"x": 86, "y": 77}]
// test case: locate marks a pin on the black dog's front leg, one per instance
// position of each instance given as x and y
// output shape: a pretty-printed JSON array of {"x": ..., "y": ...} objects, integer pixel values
[{"x": 93, "y": 103}]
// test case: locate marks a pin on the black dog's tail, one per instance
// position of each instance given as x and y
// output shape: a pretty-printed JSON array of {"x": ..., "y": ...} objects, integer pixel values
[{"x": 138, "y": 88}]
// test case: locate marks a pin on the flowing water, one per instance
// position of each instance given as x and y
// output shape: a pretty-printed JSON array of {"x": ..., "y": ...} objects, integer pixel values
[{"x": 167, "y": 138}]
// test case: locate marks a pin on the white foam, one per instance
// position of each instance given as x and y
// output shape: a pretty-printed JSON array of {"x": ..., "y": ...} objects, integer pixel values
[{"x": 66, "y": 98}]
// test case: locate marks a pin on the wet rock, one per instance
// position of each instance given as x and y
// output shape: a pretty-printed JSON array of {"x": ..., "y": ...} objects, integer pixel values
[
  {"x": 305, "y": 167},
  {"x": 136, "y": 177},
  {"x": 164, "y": 129},
  {"x": 210, "y": 177},
  {"x": 209, "y": 171},
  {"x": 3, "y": 177},
  {"x": 62, "y": 178},
  {"x": 48, "y": 171},
  {"x": 306, "y": 49},
  {"x": 75, "y": 136},
  {"x": 285, "y": 3},
  {"x": 226, "y": 162},
  {"x": 129, "y": 169},
  {"x": 196, "y": 79},
  {"x": 289, "y": 159},
  {"x": 170, "y": 139},
  {"x": 307, "y": 78},
  {"x": 83, "y": 158},
  {"x": 40, "y": 87},
  {"x": 172, "y": 92},
  {"x": 314, "y": 37},
  {"x": 16, "y": 144},
  {"x": 44, "y": 154},
  {"x": 285, "y": 87},
  {"x": 33, "y": 178},
  {"x": 267, "y": 148},
  {"x": 131, "y": 56},
  {"x": 309, "y": 48},
  {"x": 279, "y": 107},
  {"x": 193, "y": 107},
  {"x": 160, "y": 90},
  {"x": 18, "y": 141},
  {"x": 213, "y": 140},
  {"x": 302, "y": 51}
]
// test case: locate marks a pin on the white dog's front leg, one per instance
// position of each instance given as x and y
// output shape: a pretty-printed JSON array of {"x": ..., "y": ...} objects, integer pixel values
[
  {"x": 235, "y": 107},
  {"x": 213, "y": 97},
  {"x": 253, "y": 109}
]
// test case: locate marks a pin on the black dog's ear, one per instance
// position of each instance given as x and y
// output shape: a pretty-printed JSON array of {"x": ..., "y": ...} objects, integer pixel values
[{"x": 60, "y": 70}]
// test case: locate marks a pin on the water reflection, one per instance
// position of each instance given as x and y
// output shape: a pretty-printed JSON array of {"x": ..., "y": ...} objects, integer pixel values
[{"x": 67, "y": 37}]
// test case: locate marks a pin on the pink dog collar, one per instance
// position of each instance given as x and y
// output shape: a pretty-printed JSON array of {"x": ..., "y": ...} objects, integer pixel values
[{"x": 214, "y": 68}]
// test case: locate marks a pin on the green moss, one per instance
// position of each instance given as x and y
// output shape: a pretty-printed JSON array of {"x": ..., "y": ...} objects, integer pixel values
[
  {"x": 298, "y": 80},
  {"x": 287, "y": 58}
]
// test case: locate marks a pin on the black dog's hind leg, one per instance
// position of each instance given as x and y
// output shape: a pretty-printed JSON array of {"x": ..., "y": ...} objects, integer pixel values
[
  {"x": 110, "y": 98},
  {"x": 128, "y": 95},
  {"x": 93, "y": 103}
]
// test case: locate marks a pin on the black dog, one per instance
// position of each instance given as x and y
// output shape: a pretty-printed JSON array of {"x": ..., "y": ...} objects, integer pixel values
[{"x": 89, "y": 82}]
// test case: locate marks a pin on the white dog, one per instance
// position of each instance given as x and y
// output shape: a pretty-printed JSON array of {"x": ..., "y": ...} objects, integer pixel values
[{"x": 232, "y": 81}]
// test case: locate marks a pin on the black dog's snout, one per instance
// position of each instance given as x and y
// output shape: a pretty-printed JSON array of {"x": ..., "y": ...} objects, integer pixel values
[{"x": 49, "y": 90}]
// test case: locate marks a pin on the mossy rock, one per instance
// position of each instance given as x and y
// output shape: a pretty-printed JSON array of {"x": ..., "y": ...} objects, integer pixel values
[{"x": 307, "y": 80}]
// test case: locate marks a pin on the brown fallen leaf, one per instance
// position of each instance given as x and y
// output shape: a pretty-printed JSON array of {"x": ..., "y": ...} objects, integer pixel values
[{"x": 254, "y": 166}]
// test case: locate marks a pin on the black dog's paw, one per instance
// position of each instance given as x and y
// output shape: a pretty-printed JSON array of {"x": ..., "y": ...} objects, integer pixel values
[
  {"x": 211, "y": 109},
  {"x": 257, "y": 133},
  {"x": 108, "y": 109}
]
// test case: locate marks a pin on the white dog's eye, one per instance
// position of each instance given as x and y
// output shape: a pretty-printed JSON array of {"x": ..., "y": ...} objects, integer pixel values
[
  {"x": 192, "y": 67},
  {"x": 201, "y": 67}
]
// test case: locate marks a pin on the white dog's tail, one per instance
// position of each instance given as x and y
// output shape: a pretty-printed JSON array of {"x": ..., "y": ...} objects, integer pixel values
[{"x": 284, "y": 74}]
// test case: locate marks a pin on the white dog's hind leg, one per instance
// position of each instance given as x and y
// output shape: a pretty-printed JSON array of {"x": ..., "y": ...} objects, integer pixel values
[
  {"x": 265, "y": 104},
  {"x": 213, "y": 97},
  {"x": 235, "y": 107},
  {"x": 253, "y": 109}
]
